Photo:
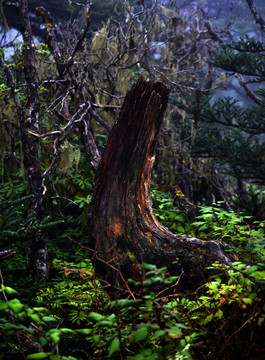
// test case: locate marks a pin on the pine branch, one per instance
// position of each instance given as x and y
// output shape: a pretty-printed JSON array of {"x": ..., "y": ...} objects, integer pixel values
[{"x": 240, "y": 78}]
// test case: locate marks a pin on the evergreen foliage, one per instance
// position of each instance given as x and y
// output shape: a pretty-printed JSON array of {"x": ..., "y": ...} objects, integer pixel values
[
  {"x": 243, "y": 56},
  {"x": 233, "y": 132}
]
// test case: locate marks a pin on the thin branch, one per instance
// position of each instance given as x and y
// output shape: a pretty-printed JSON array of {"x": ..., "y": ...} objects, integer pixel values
[
  {"x": 99, "y": 119},
  {"x": 82, "y": 35},
  {"x": 40, "y": 136},
  {"x": 52, "y": 37},
  {"x": 82, "y": 111},
  {"x": 248, "y": 91},
  {"x": 212, "y": 33}
]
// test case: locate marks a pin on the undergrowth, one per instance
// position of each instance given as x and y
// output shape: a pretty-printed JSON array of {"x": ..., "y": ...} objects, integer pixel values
[{"x": 73, "y": 317}]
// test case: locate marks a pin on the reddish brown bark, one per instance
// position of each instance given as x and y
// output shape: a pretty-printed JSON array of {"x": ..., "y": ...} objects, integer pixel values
[{"x": 123, "y": 229}]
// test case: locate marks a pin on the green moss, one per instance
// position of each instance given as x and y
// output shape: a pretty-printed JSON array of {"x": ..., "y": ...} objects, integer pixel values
[{"x": 131, "y": 256}]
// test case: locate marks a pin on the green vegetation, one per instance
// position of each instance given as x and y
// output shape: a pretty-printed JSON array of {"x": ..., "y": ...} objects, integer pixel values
[{"x": 73, "y": 317}]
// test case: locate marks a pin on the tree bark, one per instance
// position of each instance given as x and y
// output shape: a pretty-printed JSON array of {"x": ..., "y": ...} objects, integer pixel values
[
  {"x": 123, "y": 230},
  {"x": 30, "y": 144},
  {"x": 29, "y": 126}
]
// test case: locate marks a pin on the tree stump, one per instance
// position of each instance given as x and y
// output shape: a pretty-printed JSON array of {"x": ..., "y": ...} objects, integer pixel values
[{"x": 123, "y": 230}]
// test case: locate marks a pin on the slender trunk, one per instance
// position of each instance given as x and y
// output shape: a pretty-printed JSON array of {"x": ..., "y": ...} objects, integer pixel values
[{"x": 30, "y": 143}]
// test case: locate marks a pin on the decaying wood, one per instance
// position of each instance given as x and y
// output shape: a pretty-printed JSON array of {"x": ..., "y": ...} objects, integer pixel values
[{"x": 123, "y": 230}]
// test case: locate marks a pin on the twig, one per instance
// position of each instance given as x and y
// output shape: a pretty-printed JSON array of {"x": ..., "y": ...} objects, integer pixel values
[
  {"x": 114, "y": 268},
  {"x": 171, "y": 286},
  {"x": 82, "y": 35},
  {"x": 99, "y": 119}
]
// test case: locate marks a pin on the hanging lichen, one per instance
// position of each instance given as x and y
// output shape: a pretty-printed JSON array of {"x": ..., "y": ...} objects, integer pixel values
[{"x": 69, "y": 158}]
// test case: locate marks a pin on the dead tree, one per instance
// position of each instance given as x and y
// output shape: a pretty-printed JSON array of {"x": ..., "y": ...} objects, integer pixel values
[{"x": 123, "y": 230}]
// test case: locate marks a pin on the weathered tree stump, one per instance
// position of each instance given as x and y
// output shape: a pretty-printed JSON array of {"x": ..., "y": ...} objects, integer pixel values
[{"x": 123, "y": 230}]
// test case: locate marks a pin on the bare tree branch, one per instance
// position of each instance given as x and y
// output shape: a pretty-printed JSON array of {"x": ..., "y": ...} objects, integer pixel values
[
  {"x": 83, "y": 34},
  {"x": 257, "y": 16},
  {"x": 248, "y": 91}
]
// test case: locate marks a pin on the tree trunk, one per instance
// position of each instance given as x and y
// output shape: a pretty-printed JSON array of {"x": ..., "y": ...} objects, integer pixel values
[
  {"x": 123, "y": 230},
  {"x": 29, "y": 128}
]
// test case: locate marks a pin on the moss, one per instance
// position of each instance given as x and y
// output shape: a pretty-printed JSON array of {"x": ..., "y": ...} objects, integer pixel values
[
  {"x": 69, "y": 158},
  {"x": 131, "y": 256}
]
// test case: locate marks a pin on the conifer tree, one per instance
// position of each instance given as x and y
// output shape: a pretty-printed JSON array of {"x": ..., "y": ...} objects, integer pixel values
[
  {"x": 233, "y": 131},
  {"x": 229, "y": 130}
]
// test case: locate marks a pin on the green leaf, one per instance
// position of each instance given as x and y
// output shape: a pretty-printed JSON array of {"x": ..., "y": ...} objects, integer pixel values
[
  {"x": 106, "y": 323},
  {"x": 251, "y": 269},
  {"x": 252, "y": 296},
  {"x": 153, "y": 280},
  {"x": 180, "y": 229},
  {"x": 43, "y": 341},
  {"x": 112, "y": 317},
  {"x": 48, "y": 318},
  {"x": 203, "y": 227},
  {"x": 83, "y": 331},
  {"x": 95, "y": 316},
  {"x": 208, "y": 319},
  {"x": 141, "y": 333},
  {"x": 146, "y": 352},
  {"x": 148, "y": 266},
  {"x": 96, "y": 338},
  {"x": 198, "y": 223},
  {"x": 240, "y": 266},
  {"x": 247, "y": 301},
  {"x": 171, "y": 279},
  {"x": 219, "y": 314},
  {"x": 124, "y": 302},
  {"x": 66, "y": 331},
  {"x": 159, "y": 333},
  {"x": 175, "y": 331},
  {"x": 55, "y": 338},
  {"x": 15, "y": 305},
  {"x": 114, "y": 346},
  {"x": 3, "y": 305},
  {"x": 35, "y": 318},
  {"x": 40, "y": 309},
  {"x": 40, "y": 355},
  {"x": 180, "y": 218},
  {"x": 8, "y": 290},
  {"x": 11, "y": 328}
]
